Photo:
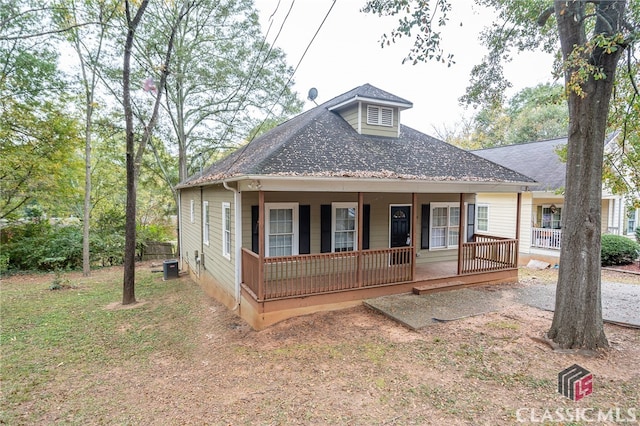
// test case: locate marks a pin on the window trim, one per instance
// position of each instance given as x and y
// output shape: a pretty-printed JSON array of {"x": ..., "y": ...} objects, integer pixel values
[
  {"x": 478, "y": 207},
  {"x": 548, "y": 206},
  {"x": 461, "y": 229},
  {"x": 294, "y": 217},
  {"x": 226, "y": 230},
  {"x": 205, "y": 223},
  {"x": 380, "y": 114},
  {"x": 343, "y": 205}
]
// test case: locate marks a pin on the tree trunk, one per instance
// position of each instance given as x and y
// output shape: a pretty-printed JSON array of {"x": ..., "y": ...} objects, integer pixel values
[
  {"x": 577, "y": 320},
  {"x": 128, "y": 288}
]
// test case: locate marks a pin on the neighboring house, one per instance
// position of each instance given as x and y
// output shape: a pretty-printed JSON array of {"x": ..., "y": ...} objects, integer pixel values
[
  {"x": 542, "y": 206},
  {"x": 339, "y": 204}
]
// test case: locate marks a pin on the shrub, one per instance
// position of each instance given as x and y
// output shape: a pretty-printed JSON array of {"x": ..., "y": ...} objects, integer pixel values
[
  {"x": 638, "y": 234},
  {"x": 618, "y": 250}
]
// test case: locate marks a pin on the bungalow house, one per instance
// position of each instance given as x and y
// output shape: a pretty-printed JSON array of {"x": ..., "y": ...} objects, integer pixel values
[
  {"x": 339, "y": 204},
  {"x": 541, "y": 214}
]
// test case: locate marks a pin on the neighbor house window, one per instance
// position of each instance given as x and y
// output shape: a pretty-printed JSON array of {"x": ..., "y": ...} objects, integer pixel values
[
  {"x": 226, "y": 230},
  {"x": 344, "y": 227},
  {"x": 632, "y": 220},
  {"x": 281, "y": 229},
  {"x": 445, "y": 225},
  {"x": 205, "y": 222},
  {"x": 482, "y": 217},
  {"x": 192, "y": 211},
  {"x": 551, "y": 216},
  {"x": 379, "y": 116}
]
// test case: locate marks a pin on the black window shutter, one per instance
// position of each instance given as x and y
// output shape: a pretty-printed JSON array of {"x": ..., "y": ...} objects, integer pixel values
[
  {"x": 255, "y": 242},
  {"x": 424, "y": 243},
  {"x": 471, "y": 222},
  {"x": 304, "y": 228},
  {"x": 325, "y": 228},
  {"x": 366, "y": 225}
]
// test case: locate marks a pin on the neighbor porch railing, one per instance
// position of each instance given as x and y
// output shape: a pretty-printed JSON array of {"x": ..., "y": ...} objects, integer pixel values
[
  {"x": 488, "y": 254},
  {"x": 546, "y": 238}
]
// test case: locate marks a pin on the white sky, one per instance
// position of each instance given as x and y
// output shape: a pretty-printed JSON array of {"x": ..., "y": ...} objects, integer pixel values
[{"x": 346, "y": 53}]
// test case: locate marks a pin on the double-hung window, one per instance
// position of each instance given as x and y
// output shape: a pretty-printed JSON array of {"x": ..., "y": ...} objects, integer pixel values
[
  {"x": 281, "y": 229},
  {"x": 205, "y": 222},
  {"x": 226, "y": 230},
  {"x": 345, "y": 225},
  {"x": 482, "y": 218},
  {"x": 445, "y": 225}
]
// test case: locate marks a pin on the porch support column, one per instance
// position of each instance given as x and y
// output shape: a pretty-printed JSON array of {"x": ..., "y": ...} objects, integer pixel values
[
  {"x": 360, "y": 235},
  {"x": 414, "y": 233},
  {"x": 463, "y": 220},
  {"x": 518, "y": 215},
  {"x": 261, "y": 248}
]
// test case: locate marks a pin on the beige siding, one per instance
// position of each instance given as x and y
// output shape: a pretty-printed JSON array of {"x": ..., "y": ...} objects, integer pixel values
[
  {"x": 214, "y": 263},
  {"x": 350, "y": 115},
  {"x": 190, "y": 232},
  {"x": 386, "y": 131},
  {"x": 380, "y": 210}
]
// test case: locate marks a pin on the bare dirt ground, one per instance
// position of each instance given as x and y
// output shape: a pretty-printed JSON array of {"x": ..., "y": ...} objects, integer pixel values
[{"x": 357, "y": 367}]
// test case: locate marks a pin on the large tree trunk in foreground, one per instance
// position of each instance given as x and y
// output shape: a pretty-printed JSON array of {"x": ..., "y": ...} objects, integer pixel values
[{"x": 577, "y": 320}]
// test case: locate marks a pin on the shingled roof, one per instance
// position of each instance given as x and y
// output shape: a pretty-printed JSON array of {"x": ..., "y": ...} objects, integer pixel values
[
  {"x": 539, "y": 160},
  {"x": 320, "y": 143}
]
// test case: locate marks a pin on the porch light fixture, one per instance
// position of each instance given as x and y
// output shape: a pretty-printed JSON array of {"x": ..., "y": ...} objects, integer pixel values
[{"x": 254, "y": 184}]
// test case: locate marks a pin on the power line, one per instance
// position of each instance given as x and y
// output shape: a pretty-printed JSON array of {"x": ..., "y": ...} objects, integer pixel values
[{"x": 286, "y": 85}]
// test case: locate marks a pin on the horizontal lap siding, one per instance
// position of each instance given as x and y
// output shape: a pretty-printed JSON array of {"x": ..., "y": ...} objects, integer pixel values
[
  {"x": 190, "y": 232},
  {"x": 215, "y": 264},
  {"x": 379, "y": 225}
]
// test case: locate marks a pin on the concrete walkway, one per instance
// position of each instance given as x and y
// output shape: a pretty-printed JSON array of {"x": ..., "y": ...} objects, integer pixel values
[{"x": 620, "y": 303}]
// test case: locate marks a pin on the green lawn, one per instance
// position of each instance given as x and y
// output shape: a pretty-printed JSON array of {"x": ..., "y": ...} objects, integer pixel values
[{"x": 49, "y": 334}]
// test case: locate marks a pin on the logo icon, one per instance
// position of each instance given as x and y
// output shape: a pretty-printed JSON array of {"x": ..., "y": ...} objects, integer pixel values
[{"x": 575, "y": 382}]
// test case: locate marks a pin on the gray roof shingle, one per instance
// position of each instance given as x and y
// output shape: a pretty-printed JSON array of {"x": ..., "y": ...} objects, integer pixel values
[
  {"x": 539, "y": 160},
  {"x": 320, "y": 143}
]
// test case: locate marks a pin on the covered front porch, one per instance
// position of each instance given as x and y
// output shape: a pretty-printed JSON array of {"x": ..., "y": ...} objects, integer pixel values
[
  {"x": 430, "y": 246},
  {"x": 275, "y": 278}
]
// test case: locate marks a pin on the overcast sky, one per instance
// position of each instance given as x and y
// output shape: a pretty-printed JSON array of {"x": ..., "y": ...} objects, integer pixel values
[{"x": 346, "y": 53}]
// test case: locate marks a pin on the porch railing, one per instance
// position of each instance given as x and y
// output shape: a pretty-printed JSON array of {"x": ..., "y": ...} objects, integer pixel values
[
  {"x": 546, "y": 238},
  {"x": 303, "y": 275},
  {"x": 309, "y": 274},
  {"x": 487, "y": 254}
]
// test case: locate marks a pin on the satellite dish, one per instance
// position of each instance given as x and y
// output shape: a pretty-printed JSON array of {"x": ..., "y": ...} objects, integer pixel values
[{"x": 313, "y": 94}]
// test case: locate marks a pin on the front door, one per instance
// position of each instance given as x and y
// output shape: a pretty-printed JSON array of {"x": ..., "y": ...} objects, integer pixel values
[{"x": 400, "y": 231}]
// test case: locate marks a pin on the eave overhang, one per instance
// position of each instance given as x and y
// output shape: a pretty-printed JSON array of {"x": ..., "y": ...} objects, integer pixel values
[
  {"x": 356, "y": 99},
  {"x": 355, "y": 184}
]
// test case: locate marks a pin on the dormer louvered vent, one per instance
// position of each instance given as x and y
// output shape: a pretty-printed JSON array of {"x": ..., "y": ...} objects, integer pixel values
[{"x": 379, "y": 116}]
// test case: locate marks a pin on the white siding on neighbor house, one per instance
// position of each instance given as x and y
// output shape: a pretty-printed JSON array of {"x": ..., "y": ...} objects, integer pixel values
[
  {"x": 213, "y": 261},
  {"x": 502, "y": 216}
]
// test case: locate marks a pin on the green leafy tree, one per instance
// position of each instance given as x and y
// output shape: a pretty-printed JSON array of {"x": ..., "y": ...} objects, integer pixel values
[
  {"x": 38, "y": 135},
  {"x": 532, "y": 114},
  {"x": 592, "y": 36},
  {"x": 224, "y": 79}
]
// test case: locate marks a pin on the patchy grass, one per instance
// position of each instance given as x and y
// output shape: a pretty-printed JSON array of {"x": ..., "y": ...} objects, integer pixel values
[{"x": 73, "y": 356}]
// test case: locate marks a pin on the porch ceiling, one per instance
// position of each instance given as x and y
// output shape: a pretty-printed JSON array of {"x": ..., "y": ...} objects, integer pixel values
[{"x": 355, "y": 184}]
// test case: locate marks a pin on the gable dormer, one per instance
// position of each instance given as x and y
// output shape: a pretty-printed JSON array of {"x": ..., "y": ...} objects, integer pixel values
[{"x": 371, "y": 111}]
